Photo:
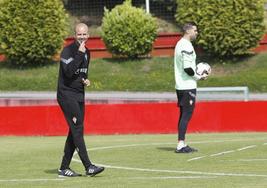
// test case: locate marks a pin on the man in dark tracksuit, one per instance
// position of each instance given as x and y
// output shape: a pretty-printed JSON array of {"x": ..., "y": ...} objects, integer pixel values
[{"x": 72, "y": 78}]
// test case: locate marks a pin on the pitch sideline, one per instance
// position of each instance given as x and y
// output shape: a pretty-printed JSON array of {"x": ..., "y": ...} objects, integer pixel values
[{"x": 177, "y": 171}]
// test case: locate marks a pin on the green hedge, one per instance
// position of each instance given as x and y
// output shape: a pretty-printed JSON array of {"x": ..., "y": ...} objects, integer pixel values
[
  {"x": 128, "y": 31},
  {"x": 226, "y": 27},
  {"x": 31, "y": 31}
]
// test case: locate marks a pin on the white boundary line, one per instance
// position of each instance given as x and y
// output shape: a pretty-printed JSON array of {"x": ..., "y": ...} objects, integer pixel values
[
  {"x": 128, "y": 145},
  {"x": 196, "y": 158},
  {"x": 203, "y": 174},
  {"x": 250, "y": 160},
  {"x": 172, "y": 143},
  {"x": 29, "y": 180},
  {"x": 173, "y": 177},
  {"x": 177, "y": 171},
  {"x": 247, "y": 147},
  {"x": 222, "y": 153}
]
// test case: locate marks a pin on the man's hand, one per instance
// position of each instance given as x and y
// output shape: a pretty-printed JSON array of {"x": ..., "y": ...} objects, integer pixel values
[
  {"x": 204, "y": 77},
  {"x": 82, "y": 47},
  {"x": 86, "y": 82}
]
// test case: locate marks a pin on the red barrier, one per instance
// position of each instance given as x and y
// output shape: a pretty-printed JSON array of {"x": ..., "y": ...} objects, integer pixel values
[
  {"x": 229, "y": 117},
  {"x": 163, "y": 46},
  {"x": 136, "y": 118}
]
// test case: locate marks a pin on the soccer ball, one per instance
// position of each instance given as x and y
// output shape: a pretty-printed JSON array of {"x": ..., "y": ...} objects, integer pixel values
[{"x": 203, "y": 68}]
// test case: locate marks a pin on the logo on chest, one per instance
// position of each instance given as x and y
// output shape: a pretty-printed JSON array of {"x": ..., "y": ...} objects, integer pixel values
[{"x": 81, "y": 70}]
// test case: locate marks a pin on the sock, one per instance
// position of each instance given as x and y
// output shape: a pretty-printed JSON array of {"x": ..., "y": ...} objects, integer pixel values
[{"x": 181, "y": 144}]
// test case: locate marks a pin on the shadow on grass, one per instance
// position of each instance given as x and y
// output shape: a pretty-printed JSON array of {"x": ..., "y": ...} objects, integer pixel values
[
  {"x": 51, "y": 171},
  {"x": 171, "y": 149},
  {"x": 55, "y": 171}
]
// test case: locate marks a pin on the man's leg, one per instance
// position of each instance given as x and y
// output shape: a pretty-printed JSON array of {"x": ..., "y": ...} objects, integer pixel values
[
  {"x": 91, "y": 170},
  {"x": 68, "y": 152},
  {"x": 186, "y": 102},
  {"x": 185, "y": 116},
  {"x": 74, "y": 117}
]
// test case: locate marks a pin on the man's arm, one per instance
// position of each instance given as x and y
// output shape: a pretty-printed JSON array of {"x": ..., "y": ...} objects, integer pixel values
[
  {"x": 192, "y": 73},
  {"x": 84, "y": 75},
  {"x": 69, "y": 63},
  {"x": 188, "y": 61}
]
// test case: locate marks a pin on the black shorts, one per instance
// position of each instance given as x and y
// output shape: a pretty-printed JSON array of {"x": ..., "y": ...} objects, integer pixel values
[{"x": 186, "y": 98}]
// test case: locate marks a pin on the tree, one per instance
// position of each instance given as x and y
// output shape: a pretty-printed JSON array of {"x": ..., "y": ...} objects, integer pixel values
[
  {"x": 128, "y": 31},
  {"x": 226, "y": 28},
  {"x": 31, "y": 31}
]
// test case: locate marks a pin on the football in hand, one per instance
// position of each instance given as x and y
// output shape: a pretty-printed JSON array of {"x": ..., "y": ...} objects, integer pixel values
[{"x": 203, "y": 68}]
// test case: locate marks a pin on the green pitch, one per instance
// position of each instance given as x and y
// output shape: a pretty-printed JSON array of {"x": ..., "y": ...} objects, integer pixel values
[{"x": 223, "y": 161}]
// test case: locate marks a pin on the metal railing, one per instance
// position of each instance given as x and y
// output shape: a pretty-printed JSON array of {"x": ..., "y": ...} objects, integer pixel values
[{"x": 243, "y": 89}]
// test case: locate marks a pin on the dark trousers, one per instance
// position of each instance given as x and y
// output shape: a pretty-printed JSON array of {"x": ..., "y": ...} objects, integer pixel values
[
  {"x": 186, "y": 103},
  {"x": 74, "y": 115}
]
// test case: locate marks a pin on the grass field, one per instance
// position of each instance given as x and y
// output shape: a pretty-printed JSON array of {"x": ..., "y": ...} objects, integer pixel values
[
  {"x": 148, "y": 74},
  {"x": 223, "y": 161}
]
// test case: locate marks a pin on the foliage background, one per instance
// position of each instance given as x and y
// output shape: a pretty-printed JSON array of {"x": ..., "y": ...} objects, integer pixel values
[
  {"x": 128, "y": 31},
  {"x": 226, "y": 28},
  {"x": 32, "y": 31}
]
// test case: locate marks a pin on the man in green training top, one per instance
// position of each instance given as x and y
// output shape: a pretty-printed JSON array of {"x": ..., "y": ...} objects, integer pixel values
[{"x": 186, "y": 82}]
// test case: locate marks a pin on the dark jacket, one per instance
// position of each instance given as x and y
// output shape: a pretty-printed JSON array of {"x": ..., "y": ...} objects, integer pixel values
[{"x": 73, "y": 68}]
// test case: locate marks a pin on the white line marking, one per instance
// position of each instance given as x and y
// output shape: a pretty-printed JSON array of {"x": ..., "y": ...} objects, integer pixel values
[
  {"x": 174, "y": 177},
  {"x": 222, "y": 153},
  {"x": 196, "y": 158},
  {"x": 249, "y": 160},
  {"x": 182, "y": 172},
  {"x": 248, "y": 147},
  {"x": 172, "y": 143},
  {"x": 178, "y": 171},
  {"x": 186, "y": 172},
  {"x": 174, "y": 171},
  {"x": 230, "y": 140},
  {"x": 129, "y": 145},
  {"x": 30, "y": 180}
]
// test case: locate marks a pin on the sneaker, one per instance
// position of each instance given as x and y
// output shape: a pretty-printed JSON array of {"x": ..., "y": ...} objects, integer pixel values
[
  {"x": 94, "y": 170},
  {"x": 67, "y": 173},
  {"x": 186, "y": 149}
]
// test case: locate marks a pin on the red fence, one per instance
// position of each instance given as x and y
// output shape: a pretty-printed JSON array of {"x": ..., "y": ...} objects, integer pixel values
[
  {"x": 135, "y": 118},
  {"x": 163, "y": 46}
]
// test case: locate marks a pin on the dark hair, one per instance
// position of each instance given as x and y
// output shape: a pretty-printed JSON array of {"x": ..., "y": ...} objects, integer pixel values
[{"x": 188, "y": 26}]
